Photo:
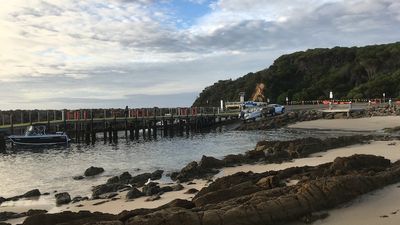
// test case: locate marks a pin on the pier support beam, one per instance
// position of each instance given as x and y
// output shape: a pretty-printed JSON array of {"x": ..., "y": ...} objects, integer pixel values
[{"x": 2, "y": 143}]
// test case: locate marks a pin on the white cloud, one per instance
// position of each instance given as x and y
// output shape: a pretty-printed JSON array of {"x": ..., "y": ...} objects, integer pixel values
[{"x": 108, "y": 49}]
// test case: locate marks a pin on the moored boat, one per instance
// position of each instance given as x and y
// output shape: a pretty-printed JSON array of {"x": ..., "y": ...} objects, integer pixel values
[{"x": 36, "y": 135}]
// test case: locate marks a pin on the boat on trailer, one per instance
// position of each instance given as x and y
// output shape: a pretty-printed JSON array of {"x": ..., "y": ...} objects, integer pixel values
[{"x": 36, "y": 136}]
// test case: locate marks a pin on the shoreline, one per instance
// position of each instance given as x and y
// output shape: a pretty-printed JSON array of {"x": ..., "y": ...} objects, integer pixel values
[{"x": 118, "y": 205}]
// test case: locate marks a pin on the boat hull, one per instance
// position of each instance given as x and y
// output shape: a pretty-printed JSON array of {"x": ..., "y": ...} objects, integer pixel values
[{"x": 40, "y": 140}]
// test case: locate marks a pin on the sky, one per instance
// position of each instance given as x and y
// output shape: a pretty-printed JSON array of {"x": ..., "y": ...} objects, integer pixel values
[{"x": 143, "y": 53}]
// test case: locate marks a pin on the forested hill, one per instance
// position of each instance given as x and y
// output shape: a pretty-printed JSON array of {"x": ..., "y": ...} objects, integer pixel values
[{"x": 357, "y": 72}]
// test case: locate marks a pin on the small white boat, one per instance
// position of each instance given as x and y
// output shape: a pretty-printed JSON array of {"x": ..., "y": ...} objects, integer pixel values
[{"x": 36, "y": 135}]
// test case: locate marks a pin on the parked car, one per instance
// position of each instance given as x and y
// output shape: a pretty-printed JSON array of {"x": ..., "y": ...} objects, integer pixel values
[
  {"x": 273, "y": 109},
  {"x": 252, "y": 114}
]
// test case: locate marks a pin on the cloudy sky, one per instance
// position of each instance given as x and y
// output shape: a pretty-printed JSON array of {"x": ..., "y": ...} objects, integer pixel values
[{"x": 112, "y": 53}]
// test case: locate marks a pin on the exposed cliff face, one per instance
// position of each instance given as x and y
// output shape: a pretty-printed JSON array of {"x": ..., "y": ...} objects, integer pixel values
[{"x": 364, "y": 72}]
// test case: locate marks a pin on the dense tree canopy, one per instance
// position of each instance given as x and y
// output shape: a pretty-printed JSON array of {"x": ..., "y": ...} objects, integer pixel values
[{"x": 357, "y": 72}]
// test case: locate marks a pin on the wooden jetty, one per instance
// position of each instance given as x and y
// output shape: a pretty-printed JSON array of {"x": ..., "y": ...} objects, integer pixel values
[{"x": 84, "y": 125}]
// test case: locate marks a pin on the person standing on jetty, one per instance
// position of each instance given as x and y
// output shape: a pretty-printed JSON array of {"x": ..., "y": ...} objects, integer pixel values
[{"x": 126, "y": 111}]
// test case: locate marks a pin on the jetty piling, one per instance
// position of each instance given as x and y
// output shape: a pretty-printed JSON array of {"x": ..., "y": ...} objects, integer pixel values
[{"x": 2, "y": 143}]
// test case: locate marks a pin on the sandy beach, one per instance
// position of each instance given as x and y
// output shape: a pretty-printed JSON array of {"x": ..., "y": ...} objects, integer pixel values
[{"x": 359, "y": 124}]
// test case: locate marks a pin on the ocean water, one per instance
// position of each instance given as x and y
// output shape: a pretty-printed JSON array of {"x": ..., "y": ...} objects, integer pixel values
[{"x": 52, "y": 169}]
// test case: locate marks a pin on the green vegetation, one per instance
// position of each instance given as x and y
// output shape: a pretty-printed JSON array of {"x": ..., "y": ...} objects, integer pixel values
[{"x": 364, "y": 72}]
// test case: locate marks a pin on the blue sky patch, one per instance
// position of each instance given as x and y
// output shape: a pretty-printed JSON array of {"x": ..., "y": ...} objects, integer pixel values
[{"x": 184, "y": 13}]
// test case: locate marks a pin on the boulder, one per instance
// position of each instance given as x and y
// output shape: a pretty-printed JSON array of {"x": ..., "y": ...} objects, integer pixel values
[
  {"x": 33, "y": 212},
  {"x": 78, "y": 177},
  {"x": 268, "y": 182},
  {"x": 167, "y": 189},
  {"x": 2, "y": 200},
  {"x": 180, "y": 203},
  {"x": 106, "y": 188},
  {"x": 208, "y": 162},
  {"x": 108, "y": 195},
  {"x": 93, "y": 171},
  {"x": 70, "y": 218},
  {"x": 177, "y": 187},
  {"x": 113, "y": 180},
  {"x": 156, "y": 175},
  {"x": 124, "y": 178},
  {"x": 63, "y": 198},
  {"x": 192, "y": 191},
  {"x": 231, "y": 160},
  {"x": 151, "y": 188},
  {"x": 141, "y": 179},
  {"x": 153, "y": 198},
  {"x": 125, "y": 215},
  {"x": 134, "y": 193},
  {"x": 357, "y": 162},
  {"x": 79, "y": 199},
  {"x": 31, "y": 194},
  {"x": 116, "y": 222},
  {"x": 10, "y": 215}
]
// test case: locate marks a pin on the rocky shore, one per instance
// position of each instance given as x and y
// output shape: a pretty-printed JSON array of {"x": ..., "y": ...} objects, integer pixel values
[{"x": 256, "y": 198}]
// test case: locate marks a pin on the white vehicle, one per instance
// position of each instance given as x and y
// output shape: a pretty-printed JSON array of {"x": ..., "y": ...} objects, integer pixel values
[
  {"x": 278, "y": 109},
  {"x": 252, "y": 114}
]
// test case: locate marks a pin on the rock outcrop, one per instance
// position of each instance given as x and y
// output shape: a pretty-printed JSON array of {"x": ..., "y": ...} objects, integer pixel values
[
  {"x": 125, "y": 181},
  {"x": 266, "y": 151},
  {"x": 257, "y": 198}
]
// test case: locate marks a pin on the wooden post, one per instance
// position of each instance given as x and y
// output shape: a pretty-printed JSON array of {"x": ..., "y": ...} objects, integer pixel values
[
  {"x": 12, "y": 122},
  {"x": 76, "y": 131},
  {"x": 105, "y": 132},
  {"x": 105, "y": 126},
  {"x": 87, "y": 133},
  {"x": 110, "y": 132},
  {"x": 165, "y": 129},
  {"x": 149, "y": 129},
  {"x": 144, "y": 129},
  {"x": 115, "y": 133},
  {"x": 22, "y": 116},
  {"x": 126, "y": 124},
  {"x": 2, "y": 143},
  {"x": 155, "y": 129},
  {"x": 48, "y": 120},
  {"x": 187, "y": 125},
  {"x": 30, "y": 117},
  {"x": 171, "y": 127},
  {"x": 136, "y": 129},
  {"x": 131, "y": 132},
  {"x": 92, "y": 132},
  {"x": 64, "y": 118}
]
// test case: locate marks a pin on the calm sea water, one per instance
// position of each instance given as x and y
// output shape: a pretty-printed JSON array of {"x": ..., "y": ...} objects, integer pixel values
[{"x": 53, "y": 169}]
